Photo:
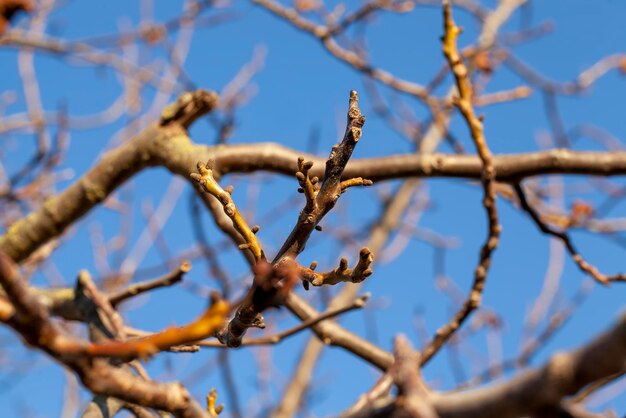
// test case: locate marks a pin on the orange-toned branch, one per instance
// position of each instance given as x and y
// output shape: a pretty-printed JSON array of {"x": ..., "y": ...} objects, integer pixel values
[
  {"x": 32, "y": 321},
  {"x": 210, "y": 185},
  {"x": 206, "y": 325},
  {"x": 475, "y": 124},
  {"x": 357, "y": 303},
  {"x": 211, "y": 404}
]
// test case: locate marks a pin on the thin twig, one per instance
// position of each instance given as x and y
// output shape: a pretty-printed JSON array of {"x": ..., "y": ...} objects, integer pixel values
[
  {"x": 582, "y": 264},
  {"x": 276, "y": 338},
  {"x": 464, "y": 104},
  {"x": 168, "y": 279}
]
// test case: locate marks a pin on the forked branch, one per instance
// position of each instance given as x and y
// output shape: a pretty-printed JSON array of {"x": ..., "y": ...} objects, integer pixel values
[
  {"x": 32, "y": 320},
  {"x": 321, "y": 202},
  {"x": 273, "y": 281},
  {"x": 582, "y": 264},
  {"x": 342, "y": 273}
]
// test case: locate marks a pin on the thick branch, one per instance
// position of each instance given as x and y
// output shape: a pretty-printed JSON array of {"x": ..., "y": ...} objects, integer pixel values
[
  {"x": 534, "y": 392},
  {"x": 508, "y": 167},
  {"x": 32, "y": 320},
  {"x": 331, "y": 333},
  {"x": 531, "y": 391},
  {"x": 146, "y": 149},
  {"x": 171, "y": 148}
]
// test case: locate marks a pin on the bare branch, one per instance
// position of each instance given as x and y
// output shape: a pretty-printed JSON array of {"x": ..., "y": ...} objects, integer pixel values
[
  {"x": 358, "y": 303},
  {"x": 566, "y": 240},
  {"x": 272, "y": 282},
  {"x": 532, "y": 390},
  {"x": 32, "y": 321},
  {"x": 211, "y": 186},
  {"x": 211, "y": 400},
  {"x": 169, "y": 279},
  {"x": 342, "y": 273},
  {"x": 488, "y": 179}
]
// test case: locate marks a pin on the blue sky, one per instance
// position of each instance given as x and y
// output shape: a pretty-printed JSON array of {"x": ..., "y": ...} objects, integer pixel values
[{"x": 302, "y": 91}]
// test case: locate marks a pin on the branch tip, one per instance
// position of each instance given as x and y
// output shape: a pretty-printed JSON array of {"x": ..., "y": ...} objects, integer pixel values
[
  {"x": 211, "y": 400},
  {"x": 185, "y": 266}
]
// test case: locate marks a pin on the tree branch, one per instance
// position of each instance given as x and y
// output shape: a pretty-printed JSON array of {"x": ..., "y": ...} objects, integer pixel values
[
  {"x": 582, "y": 264},
  {"x": 488, "y": 180},
  {"x": 31, "y": 319}
]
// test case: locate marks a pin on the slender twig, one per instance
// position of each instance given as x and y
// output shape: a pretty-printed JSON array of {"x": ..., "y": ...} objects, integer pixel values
[
  {"x": 86, "y": 286},
  {"x": 330, "y": 189},
  {"x": 205, "y": 178},
  {"x": 555, "y": 323},
  {"x": 20, "y": 38},
  {"x": 211, "y": 401},
  {"x": 464, "y": 104},
  {"x": 325, "y": 36},
  {"x": 276, "y": 338},
  {"x": 204, "y": 326},
  {"x": 582, "y": 264},
  {"x": 168, "y": 279}
]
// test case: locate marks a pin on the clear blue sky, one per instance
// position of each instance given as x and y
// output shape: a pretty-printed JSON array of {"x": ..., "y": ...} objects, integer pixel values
[{"x": 302, "y": 91}]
